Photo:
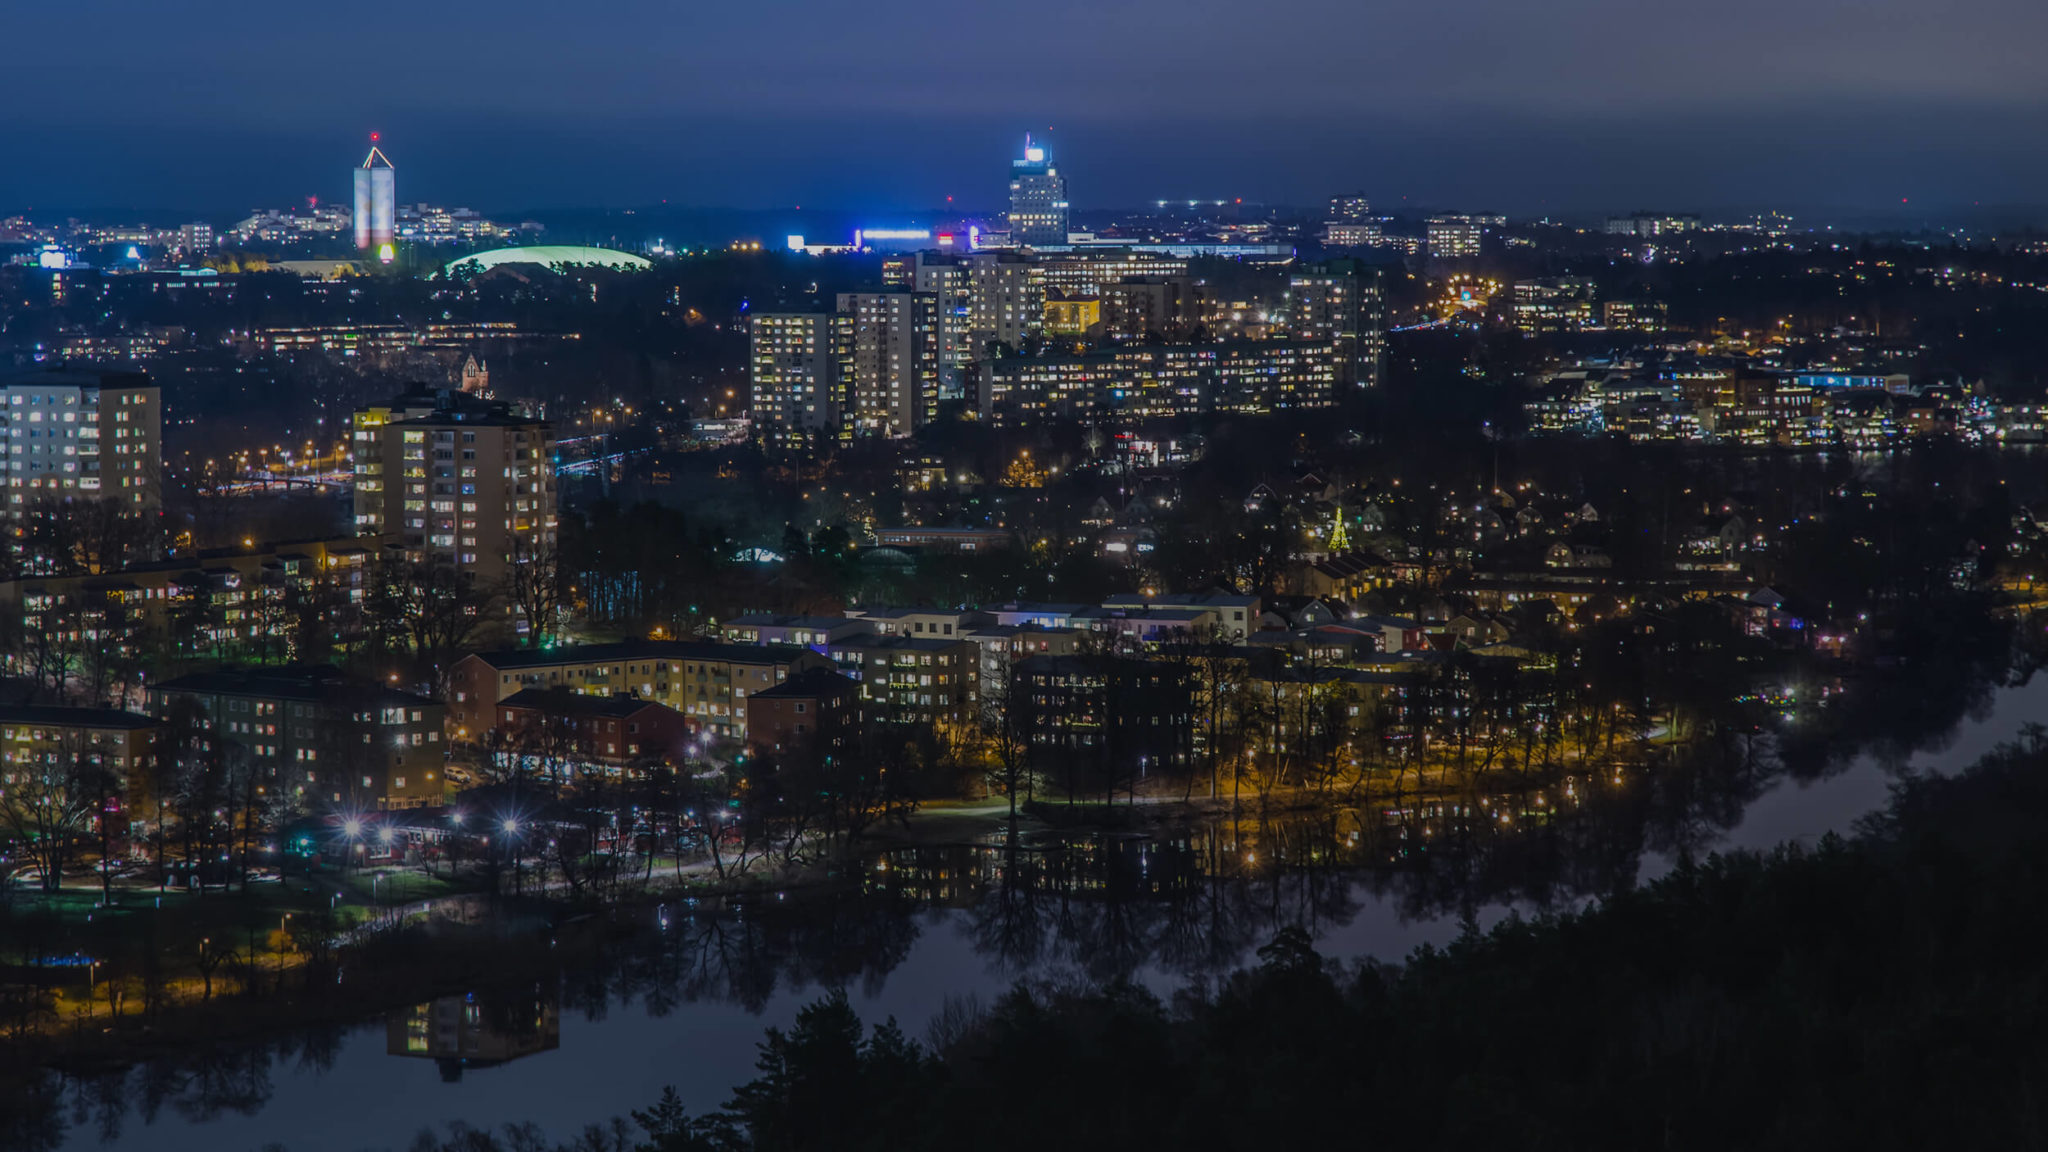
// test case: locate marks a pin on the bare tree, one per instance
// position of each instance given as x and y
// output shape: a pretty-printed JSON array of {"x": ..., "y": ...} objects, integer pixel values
[
  {"x": 47, "y": 806},
  {"x": 429, "y": 609},
  {"x": 535, "y": 588},
  {"x": 86, "y": 536},
  {"x": 1006, "y": 728}
]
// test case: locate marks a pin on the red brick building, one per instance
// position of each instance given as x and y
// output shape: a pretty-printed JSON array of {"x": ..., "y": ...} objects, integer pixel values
[
  {"x": 617, "y": 732},
  {"x": 814, "y": 712}
]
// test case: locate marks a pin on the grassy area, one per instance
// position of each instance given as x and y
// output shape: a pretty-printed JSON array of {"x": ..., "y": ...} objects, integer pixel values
[
  {"x": 398, "y": 886},
  {"x": 172, "y": 923},
  {"x": 78, "y": 906}
]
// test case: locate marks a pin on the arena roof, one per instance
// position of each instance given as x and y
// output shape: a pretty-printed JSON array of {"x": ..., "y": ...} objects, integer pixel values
[{"x": 548, "y": 255}]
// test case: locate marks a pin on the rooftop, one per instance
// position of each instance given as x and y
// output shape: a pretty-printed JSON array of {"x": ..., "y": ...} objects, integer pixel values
[
  {"x": 562, "y": 702},
  {"x": 915, "y": 643},
  {"x": 58, "y": 715},
  {"x": 315, "y": 683},
  {"x": 643, "y": 650},
  {"x": 810, "y": 685},
  {"x": 69, "y": 375},
  {"x": 549, "y": 256}
]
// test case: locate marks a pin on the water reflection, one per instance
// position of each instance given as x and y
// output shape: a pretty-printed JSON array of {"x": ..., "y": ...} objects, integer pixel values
[
  {"x": 678, "y": 994},
  {"x": 476, "y": 1031}
]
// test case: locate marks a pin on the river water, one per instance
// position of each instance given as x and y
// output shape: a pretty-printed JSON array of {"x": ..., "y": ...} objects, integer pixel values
[{"x": 686, "y": 1008}]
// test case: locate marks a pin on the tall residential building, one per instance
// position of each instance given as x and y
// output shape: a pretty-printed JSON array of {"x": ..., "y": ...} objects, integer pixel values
[
  {"x": 1453, "y": 237},
  {"x": 376, "y": 201},
  {"x": 1007, "y": 300},
  {"x": 793, "y": 375},
  {"x": 461, "y": 481},
  {"x": 1350, "y": 208},
  {"x": 80, "y": 433},
  {"x": 1167, "y": 307},
  {"x": 195, "y": 237},
  {"x": 1340, "y": 301},
  {"x": 1038, "y": 199},
  {"x": 886, "y": 351},
  {"x": 946, "y": 278}
]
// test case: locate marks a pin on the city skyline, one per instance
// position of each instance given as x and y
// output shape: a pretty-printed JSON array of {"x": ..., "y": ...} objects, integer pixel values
[
  {"x": 1266, "y": 561},
  {"x": 1585, "y": 108},
  {"x": 452, "y": 167}
]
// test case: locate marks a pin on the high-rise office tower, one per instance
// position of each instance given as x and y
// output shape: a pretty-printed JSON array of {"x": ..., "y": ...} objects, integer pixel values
[
  {"x": 1340, "y": 301},
  {"x": 73, "y": 434},
  {"x": 886, "y": 352},
  {"x": 793, "y": 374},
  {"x": 1038, "y": 199},
  {"x": 461, "y": 481},
  {"x": 376, "y": 202}
]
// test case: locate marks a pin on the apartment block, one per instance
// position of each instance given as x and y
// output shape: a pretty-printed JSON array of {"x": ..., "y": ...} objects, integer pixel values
[
  {"x": 75, "y": 433},
  {"x": 707, "y": 682},
  {"x": 457, "y": 480},
  {"x": 318, "y": 736}
]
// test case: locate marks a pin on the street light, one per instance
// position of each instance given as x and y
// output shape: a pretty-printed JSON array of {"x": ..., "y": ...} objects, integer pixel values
[
  {"x": 283, "y": 930},
  {"x": 512, "y": 838}
]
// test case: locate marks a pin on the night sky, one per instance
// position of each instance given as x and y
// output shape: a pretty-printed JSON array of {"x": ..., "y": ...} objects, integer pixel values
[{"x": 1499, "y": 104}]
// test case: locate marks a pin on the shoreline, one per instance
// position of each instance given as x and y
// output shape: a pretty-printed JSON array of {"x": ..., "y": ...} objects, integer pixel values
[{"x": 453, "y": 944}]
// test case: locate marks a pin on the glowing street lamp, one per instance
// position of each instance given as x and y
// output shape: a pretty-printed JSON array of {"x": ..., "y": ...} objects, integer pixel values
[{"x": 512, "y": 839}]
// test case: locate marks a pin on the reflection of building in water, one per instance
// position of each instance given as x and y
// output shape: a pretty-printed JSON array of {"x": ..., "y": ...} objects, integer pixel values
[{"x": 458, "y": 1032}]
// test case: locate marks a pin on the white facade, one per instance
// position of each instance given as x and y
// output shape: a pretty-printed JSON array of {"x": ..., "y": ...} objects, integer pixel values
[{"x": 73, "y": 436}]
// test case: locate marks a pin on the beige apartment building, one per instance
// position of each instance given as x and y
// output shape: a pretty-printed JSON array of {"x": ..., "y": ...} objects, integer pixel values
[
  {"x": 457, "y": 480},
  {"x": 708, "y": 682}
]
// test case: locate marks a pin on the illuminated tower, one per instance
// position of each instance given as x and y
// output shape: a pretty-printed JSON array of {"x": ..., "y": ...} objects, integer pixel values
[
  {"x": 376, "y": 202},
  {"x": 1038, "y": 199}
]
